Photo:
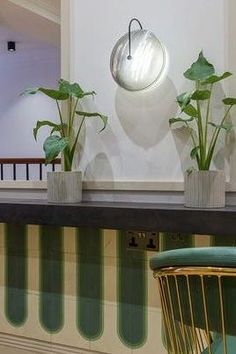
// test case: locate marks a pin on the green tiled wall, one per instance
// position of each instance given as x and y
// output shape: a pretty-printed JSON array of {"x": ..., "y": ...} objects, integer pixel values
[{"x": 109, "y": 290}]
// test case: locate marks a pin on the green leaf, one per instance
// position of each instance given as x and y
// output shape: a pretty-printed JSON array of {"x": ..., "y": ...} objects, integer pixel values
[
  {"x": 191, "y": 111},
  {"x": 179, "y": 119},
  {"x": 54, "y": 94},
  {"x": 226, "y": 126},
  {"x": 30, "y": 91},
  {"x": 88, "y": 114},
  {"x": 200, "y": 70},
  {"x": 42, "y": 123},
  {"x": 53, "y": 146},
  {"x": 214, "y": 78},
  {"x": 59, "y": 128},
  {"x": 73, "y": 90},
  {"x": 201, "y": 95},
  {"x": 194, "y": 152},
  {"x": 190, "y": 170},
  {"x": 229, "y": 101},
  {"x": 184, "y": 99}
]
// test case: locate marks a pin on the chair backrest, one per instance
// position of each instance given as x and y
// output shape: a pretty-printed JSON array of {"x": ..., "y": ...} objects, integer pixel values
[
  {"x": 198, "y": 295},
  {"x": 203, "y": 297}
]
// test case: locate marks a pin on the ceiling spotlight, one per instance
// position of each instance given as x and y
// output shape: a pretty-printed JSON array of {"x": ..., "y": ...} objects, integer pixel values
[{"x": 11, "y": 46}]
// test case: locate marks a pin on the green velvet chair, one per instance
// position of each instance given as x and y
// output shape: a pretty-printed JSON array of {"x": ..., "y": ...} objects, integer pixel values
[{"x": 198, "y": 296}]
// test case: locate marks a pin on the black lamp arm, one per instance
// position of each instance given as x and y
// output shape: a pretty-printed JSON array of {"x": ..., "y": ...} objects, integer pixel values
[{"x": 130, "y": 25}]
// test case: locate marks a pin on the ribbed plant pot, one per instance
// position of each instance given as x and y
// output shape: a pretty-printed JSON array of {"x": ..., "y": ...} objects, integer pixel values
[
  {"x": 204, "y": 189},
  {"x": 64, "y": 187}
]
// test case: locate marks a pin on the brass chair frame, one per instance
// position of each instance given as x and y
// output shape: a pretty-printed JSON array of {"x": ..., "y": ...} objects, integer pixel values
[{"x": 183, "y": 333}]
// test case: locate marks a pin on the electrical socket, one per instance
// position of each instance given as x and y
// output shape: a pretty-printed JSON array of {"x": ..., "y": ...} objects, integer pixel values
[{"x": 142, "y": 240}]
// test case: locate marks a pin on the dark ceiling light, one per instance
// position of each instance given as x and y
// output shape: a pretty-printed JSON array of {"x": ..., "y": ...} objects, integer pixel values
[{"x": 11, "y": 46}]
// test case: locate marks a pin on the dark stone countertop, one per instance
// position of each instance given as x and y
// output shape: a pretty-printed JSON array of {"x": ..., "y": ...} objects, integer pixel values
[{"x": 127, "y": 216}]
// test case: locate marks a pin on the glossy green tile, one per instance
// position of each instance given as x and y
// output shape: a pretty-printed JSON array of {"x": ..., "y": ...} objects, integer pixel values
[
  {"x": 170, "y": 241},
  {"x": 16, "y": 274},
  {"x": 132, "y": 295},
  {"x": 223, "y": 241},
  {"x": 90, "y": 282},
  {"x": 51, "y": 278}
]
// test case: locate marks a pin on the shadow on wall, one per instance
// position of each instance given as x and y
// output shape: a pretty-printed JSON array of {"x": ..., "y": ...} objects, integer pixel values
[
  {"x": 227, "y": 141},
  {"x": 182, "y": 143},
  {"x": 99, "y": 168},
  {"x": 80, "y": 146},
  {"x": 144, "y": 115}
]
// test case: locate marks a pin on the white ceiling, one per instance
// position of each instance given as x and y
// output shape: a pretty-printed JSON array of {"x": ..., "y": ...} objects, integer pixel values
[
  {"x": 28, "y": 29},
  {"x": 51, "y": 5},
  {"x": 49, "y": 9}
]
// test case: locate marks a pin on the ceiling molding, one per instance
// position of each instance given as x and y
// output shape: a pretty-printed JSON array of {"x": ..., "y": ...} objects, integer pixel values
[{"x": 46, "y": 8}]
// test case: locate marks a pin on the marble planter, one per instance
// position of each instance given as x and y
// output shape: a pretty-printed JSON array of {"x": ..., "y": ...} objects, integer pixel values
[
  {"x": 64, "y": 187},
  {"x": 204, "y": 189}
]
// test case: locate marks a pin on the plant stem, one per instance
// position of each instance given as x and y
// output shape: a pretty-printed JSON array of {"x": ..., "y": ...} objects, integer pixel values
[
  {"x": 200, "y": 130},
  {"x": 214, "y": 139},
  {"x": 61, "y": 119},
  {"x": 207, "y": 119},
  {"x": 193, "y": 140},
  {"x": 67, "y": 160},
  {"x": 69, "y": 109},
  {"x": 76, "y": 139},
  {"x": 73, "y": 114}
]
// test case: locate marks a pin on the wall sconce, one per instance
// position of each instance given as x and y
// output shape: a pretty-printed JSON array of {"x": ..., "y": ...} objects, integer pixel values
[
  {"x": 138, "y": 59},
  {"x": 11, "y": 46}
]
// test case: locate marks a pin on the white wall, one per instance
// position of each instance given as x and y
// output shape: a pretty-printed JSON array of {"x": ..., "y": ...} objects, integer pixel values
[
  {"x": 138, "y": 145},
  {"x": 19, "y": 114}
]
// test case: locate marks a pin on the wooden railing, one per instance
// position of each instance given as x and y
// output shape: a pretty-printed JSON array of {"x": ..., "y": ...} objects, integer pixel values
[{"x": 14, "y": 162}]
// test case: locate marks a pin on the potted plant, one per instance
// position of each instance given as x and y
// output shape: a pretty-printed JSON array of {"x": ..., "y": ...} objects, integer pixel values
[
  {"x": 203, "y": 187},
  {"x": 65, "y": 186}
]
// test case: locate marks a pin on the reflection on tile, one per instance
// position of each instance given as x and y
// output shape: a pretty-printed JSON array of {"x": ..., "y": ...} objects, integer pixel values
[
  {"x": 16, "y": 274},
  {"x": 8, "y": 350},
  {"x": 69, "y": 334},
  {"x": 69, "y": 239},
  {"x": 110, "y": 240},
  {"x": 70, "y": 264},
  {"x": 110, "y": 279},
  {"x": 202, "y": 240},
  {"x": 90, "y": 283},
  {"x": 153, "y": 294},
  {"x": 5, "y": 326},
  {"x": 132, "y": 295},
  {"x": 170, "y": 240},
  {"x": 85, "y": 271},
  {"x": 70, "y": 270},
  {"x": 2, "y": 235},
  {"x": 2, "y": 268},
  {"x": 33, "y": 271},
  {"x": 32, "y": 327},
  {"x": 109, "y": 341},
  {"x": 223, "y": 240},
  {"x": 51, "y": 278},
  {"x": 154, "y": 341},
  {"x": 33, "y": 237}
]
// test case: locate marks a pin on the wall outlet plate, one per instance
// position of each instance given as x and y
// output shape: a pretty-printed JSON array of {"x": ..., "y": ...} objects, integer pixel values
[{"x": 142, "y": 240}]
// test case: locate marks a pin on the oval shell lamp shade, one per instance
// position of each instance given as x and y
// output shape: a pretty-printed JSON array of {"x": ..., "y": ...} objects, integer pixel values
[{"x": 145, "y": 65}]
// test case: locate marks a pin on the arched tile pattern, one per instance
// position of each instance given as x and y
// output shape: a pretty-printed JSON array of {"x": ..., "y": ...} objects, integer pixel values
[
  {"x": 223, "y": 240},
  {"x": 90, "y": 282},
  {"x": 16, "y": 274},
  {"x": 91, "y": 309},
  {"x": 132, "y": 295},
  {"x": 51, "y": 278},
  {"x": 170, "y": 241}
]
